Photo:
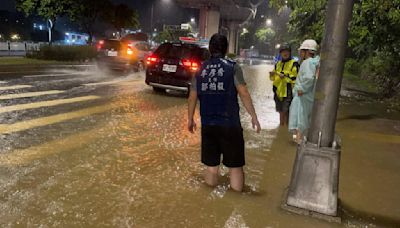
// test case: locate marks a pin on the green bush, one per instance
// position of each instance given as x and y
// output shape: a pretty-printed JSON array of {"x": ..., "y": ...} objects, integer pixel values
[
  {"x": 64, "y": 53},
  {"x": 353, "y": 66},
  {"x": 383, "y": 70}
]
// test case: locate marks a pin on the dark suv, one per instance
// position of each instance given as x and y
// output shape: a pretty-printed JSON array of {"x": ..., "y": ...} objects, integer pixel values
[{"x": 173, "y": 65}]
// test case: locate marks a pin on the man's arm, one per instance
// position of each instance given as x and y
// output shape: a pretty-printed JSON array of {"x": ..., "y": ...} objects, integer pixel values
[
  {"x": 248, "y": 104},
  {"x": 192, "y": 102}
]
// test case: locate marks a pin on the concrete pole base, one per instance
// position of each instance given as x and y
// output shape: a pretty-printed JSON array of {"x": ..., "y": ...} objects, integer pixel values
[
  {"x": 305, "y": 212},
  {"x": 315, "y": 179}
]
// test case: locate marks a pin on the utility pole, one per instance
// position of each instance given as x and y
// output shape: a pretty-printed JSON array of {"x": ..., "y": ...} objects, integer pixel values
[
  {"x": 315, "y": 176},
  {"x": 152, "y": 17},
  {"x": 327, "y": 92},
  {"x": 50, "y": 29}
]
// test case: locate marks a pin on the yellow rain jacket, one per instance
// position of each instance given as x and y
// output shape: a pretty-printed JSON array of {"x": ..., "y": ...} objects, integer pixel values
[{"x": 290, "y": 69}]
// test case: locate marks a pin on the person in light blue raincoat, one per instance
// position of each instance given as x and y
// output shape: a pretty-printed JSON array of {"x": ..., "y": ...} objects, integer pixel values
[{"x": 303, "y": 91}]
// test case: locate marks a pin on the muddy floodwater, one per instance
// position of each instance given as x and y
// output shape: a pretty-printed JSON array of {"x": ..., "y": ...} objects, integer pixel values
[{"x": 132, "y": 163}]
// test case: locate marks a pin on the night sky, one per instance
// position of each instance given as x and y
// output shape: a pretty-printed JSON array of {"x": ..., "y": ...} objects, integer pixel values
[
  {"x": 165, "y": 11},
  {"x": 7, "y": 5}
]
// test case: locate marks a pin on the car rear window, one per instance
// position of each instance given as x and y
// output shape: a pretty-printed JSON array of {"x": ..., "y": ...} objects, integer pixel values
[
  {"x": 112, "y": 44},
  {"x": 143, "y": 46},
  {"x": 180, "y": 51},
  {"x": 135, "y": 36}
]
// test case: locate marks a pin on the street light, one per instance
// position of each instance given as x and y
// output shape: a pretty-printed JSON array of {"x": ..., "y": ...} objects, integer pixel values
[
  {"x": 193, "y": 20},
  {"x": 15, "y": 37},
  {"x": 269, "y": 22}
]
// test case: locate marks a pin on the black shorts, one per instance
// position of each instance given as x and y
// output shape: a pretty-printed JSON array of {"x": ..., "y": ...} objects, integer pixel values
[
  {"x": 225, "y": 141},
  {"x": 284, "y": 104}
]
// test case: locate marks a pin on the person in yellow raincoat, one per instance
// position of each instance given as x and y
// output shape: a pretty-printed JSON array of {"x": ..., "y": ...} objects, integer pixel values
[{"x": 284, "y": 77}]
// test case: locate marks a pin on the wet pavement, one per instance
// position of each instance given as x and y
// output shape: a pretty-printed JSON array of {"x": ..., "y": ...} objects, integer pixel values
[{"x": 81, "y": 148}]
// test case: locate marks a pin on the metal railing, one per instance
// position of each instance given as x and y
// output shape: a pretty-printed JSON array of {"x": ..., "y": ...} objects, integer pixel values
[{"x": 18, "y": 48}]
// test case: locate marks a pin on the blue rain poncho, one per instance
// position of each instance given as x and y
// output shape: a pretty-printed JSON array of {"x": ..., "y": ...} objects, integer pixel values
[{"x": 301, "y": 107}]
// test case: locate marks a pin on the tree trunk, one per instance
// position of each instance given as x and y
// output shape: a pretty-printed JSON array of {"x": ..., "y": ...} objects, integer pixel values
[{"x": 90, "y": 38}]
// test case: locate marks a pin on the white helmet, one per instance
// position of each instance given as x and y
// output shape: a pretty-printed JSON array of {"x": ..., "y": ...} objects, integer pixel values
[{"x": 309, "y": 45}]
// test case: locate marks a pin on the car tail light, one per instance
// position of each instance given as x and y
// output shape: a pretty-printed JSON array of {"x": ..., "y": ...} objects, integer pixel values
[
  {"x": 195, "y": 66},
  {"x": 152, "y": 59},
  {"x": 191, "y": 65},
  {"x": 129, "y": 51},
  {"x": 100, "y": 44}
]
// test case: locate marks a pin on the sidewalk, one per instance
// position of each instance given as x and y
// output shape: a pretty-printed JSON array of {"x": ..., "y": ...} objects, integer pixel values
[
  {"x": 23, "y": 61},
  {"x": 369, "y": 169}
]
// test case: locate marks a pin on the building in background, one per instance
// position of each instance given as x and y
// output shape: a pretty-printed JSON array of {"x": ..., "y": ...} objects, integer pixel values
[
  {"x": 74, "y": 38},
  {"x": 39, "y": 26}
]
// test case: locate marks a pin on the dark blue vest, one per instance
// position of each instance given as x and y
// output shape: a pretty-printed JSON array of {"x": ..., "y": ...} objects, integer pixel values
[{"x": 217, "y": 93}]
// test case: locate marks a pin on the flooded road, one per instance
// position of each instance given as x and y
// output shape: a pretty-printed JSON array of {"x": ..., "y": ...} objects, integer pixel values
[{"x": 85, "y": 149}]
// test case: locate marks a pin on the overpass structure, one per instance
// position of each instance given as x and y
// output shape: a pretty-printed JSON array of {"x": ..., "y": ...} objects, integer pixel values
[{"x": 224, "y": 16}]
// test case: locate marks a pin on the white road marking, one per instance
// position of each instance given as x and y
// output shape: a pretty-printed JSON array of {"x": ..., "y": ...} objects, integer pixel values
[
  {"x": 30, "y": 94},
  {"x": 68, "y": 143},
  {"x": 50, "y": 103},
  {"x": 87, "y": 65},
  {"x": 48, "y": 120},
  {"x": 114, "y": 82},
  {"x": 54, "y": 75},
  {"x": 15, "y": 87},
  {"x": 19, "y": 72}
]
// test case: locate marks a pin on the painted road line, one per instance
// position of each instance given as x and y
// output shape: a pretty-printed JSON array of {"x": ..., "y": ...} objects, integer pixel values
[
  {"x": 15, "y": 87},
  {"x": 69, "y": 143},
  {"x": 31, "y": 94},
  {"x": 114, "y": 82},
  {"x": 55, "y": 75},
  {"x": 46, "y": 103},
  {"x": 19, "y": 72},
  {"x": 44, "y": 121},
  {"x": 87, "y": 65}
]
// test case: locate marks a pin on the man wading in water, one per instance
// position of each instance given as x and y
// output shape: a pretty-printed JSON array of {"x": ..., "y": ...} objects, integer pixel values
[{"x": 217, "y": 85}]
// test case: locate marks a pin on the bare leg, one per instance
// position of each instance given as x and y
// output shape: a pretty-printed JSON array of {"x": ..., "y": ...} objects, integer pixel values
[
  {"x": 299, "y": 136},
  {"x": 282, "y": 118},
  {"x": 211, "y": 175},
  {"x": 236, "y": 178},
  {"x": 285, "y": 118}
]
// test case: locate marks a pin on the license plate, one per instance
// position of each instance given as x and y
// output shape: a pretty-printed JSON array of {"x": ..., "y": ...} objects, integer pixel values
[
  {"x": 112, "y": 53},
  {"x": 169, "y": 68}
]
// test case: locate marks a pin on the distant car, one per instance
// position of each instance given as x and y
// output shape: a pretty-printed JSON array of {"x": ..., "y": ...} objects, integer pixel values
[
  {"x": 123, "y": 55},
  {"x": 173, "y": 65}
]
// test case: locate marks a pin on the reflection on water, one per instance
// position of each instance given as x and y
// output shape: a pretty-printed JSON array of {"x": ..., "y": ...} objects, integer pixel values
[{"x": 143, "y": 170}]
